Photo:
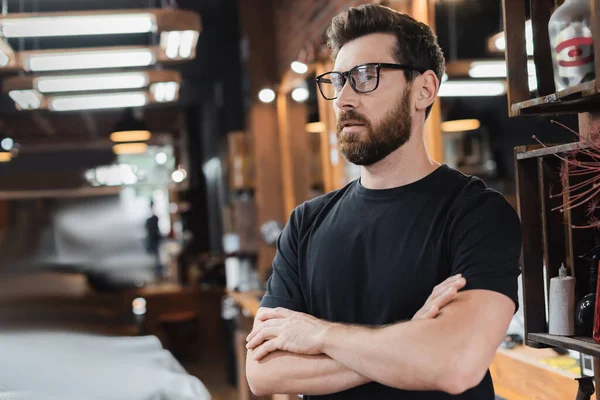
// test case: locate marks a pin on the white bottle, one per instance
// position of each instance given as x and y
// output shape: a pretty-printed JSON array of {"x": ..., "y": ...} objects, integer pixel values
[
  {"x": 571, "y": 44},
  {"x": 562, "y": 304}
]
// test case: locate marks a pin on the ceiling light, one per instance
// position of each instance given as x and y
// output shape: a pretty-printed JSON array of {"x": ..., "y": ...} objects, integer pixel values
[
  {"x": 4, "y": 59},
  {"x": 494, "y": 69},
  {"x": 179, "y": 175},
  {"x": 164, "y": 91},
  {"x": 91, "y": 82},
  {"x": 5, "y": 157},
  {"x": 179, "y": 43},
  {"x": 77, "y": 25},
  {"x": 88, "y": 59},
  {"x": 300, "y": 94},
  {"x": 472, "y": 88},
  {"x": 266, "y": 95},
  {"x": 130, "y": 148},
  {"x": 299, "y": 67},
  {"x": 26, "y": 99},
  {"x": 498, "y": 41},
  {"x": 99, "y": 101},
  {"x": 161, "y": 158},
  {"x": 315, "y": 127},
  {"x": 461, "y": 125},
  {"x": 7, "y": 144},
  {"x": 130, "y": 136}
]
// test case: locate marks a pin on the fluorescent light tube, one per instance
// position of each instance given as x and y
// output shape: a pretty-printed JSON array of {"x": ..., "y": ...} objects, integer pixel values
[
  {"x": 95, "y": 59},
  {"x": 472, "y": 88},
  {"x": 179, "y": 43},
  {"x": 494, "y": 69},
  {"x": 83, "y": 83},
  {"x": 99, "y": 101},
  {"x": 164, "y": 91},
  {"x": 26, "y": 99},
  {"x": 499, "y": 39},
  {"x": 77, "y": 25}
]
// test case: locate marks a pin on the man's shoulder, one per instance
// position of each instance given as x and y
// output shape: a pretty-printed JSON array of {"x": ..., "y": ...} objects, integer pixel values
[{"x": 308, "y": 211}]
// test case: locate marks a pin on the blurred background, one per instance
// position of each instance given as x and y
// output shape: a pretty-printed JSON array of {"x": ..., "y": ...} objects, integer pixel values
[{"x": 151, "y": 151}]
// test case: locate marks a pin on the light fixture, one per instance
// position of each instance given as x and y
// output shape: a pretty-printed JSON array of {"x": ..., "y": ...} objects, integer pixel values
[
  {"x": 26, "y": 99},
  {"x": 98, "y": 101},
  {"x": 130, "y": 136},
  {"x": 444, "y": 77},
  {"x": 112, "y": 22},
  {"x": 179, "y": 44},
  {"x": 266, "y": 95},
  {"x": 495, "y": 69},
  {"x": 130, "y": 148},
  {"x": 161, "y": 158},
  {"x": 130, "y": 128},
  {"x": 179, "y": 175},
  {"x": 300, "y": 94},
  {"x": 164, "y": 91},
  {"x": 497, "y": 43},
  {"x": 461, "y": 125},
  {"x": 138, "y": 306},
  {"x": 77, "y": 25},
  {"x": 299, "y": 67},
  {"x": 5, "y": 157},
  {"x": 315, "y": 127},
  {"x": 53, "y": 60},
  {"x": 7, "y": 144},
  {"x": 472, "y": 88},
  {"x": 91, "y": 82}
]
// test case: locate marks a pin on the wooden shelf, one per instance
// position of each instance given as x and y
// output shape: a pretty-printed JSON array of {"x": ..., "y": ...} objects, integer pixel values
[
  {"x": 582, "y": 344},
  {"x": 579, "y": 98},
  {"x": 525, "y": 152}
]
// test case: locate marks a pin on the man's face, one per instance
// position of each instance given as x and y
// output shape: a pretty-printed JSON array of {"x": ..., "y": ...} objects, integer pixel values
[{"x": 372, "y": 125}]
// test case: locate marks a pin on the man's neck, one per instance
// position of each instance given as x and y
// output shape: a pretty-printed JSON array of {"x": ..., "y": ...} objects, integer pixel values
[{"x": 405, "y": 165}]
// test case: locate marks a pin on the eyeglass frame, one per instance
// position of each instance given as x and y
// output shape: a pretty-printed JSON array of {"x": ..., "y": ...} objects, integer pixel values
[{"x": 379, "y": 66}]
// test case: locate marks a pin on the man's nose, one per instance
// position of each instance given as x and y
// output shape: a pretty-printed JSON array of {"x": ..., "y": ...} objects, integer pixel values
[{"x": 348, "y": 98}]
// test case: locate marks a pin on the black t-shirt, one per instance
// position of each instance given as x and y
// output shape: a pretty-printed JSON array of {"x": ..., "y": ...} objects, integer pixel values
[{"x": 373, "y": 257}]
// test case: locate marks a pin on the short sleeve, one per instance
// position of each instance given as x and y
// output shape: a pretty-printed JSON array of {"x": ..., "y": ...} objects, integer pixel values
[
  {"x": 283, "y": 286},
  {"x": 485, "y": 241}
]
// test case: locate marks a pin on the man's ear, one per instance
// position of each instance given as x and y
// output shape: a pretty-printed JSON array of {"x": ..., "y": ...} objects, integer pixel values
[{"x": 426, "y": 88}]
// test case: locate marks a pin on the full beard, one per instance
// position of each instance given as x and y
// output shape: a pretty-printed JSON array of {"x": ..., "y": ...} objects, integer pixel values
[{"x": 393, "y": 132}]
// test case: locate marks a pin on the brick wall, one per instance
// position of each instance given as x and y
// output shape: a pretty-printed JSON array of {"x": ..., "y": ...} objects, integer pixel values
[{"x": 303, "y": 22}]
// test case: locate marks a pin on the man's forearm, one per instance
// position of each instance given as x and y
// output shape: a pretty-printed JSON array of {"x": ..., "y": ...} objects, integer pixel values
[
  {"x": 286, "y": 373},
  {"x": 397, "y": 356}
]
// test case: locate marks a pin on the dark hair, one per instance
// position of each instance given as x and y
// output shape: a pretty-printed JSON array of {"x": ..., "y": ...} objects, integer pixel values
[{"x": 416, "y": 44}]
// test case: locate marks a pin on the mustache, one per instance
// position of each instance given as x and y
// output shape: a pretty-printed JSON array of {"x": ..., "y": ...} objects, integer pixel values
[{"x": 351, "y": 116}]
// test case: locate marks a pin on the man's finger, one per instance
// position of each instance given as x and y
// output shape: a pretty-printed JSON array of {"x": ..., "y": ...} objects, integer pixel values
[
  {"x": 264, "y": 349},
  {"x": 268, "y": 313},
  {"x": 262, "y": 336},
  {"x": 452, "y": 281},
  {"x": 445, "y": 298},
  {"x": 261, "y": 326}
]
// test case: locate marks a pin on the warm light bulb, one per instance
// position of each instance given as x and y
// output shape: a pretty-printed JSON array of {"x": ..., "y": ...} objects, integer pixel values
[{"x": 266, "y": 95}]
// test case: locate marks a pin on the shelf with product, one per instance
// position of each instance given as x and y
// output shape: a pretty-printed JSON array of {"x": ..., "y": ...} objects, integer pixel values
[
  {"x": 560, "y": 42},
  {"x": 557, "y": 184}
]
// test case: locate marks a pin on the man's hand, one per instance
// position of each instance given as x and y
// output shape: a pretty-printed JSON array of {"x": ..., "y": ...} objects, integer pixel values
[
  {"x": 286, "y": 330},
  {"x": 295, "y": 332},
  {"x": 442, "y": 294}
]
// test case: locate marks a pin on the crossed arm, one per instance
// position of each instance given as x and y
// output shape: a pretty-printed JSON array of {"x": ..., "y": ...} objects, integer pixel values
[{"x": 291, "y": 352}]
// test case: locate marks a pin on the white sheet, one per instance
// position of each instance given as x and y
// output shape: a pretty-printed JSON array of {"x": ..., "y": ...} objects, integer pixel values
[{"x": 72, "y": 366}]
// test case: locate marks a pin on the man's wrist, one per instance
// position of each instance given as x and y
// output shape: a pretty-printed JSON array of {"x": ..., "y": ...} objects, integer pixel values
[{"x": 329, "y": 335}]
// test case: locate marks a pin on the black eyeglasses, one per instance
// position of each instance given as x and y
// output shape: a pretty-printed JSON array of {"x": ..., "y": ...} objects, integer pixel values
[{"x": 363, "y": 78}]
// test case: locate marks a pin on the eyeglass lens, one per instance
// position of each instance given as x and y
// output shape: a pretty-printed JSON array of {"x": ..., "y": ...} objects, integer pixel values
[{"x": 364, "y": 79}]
